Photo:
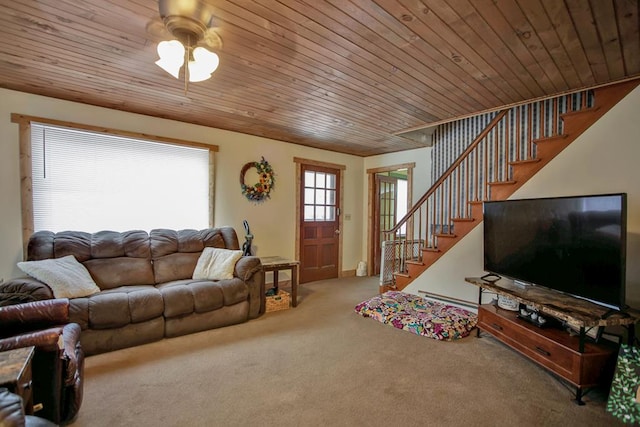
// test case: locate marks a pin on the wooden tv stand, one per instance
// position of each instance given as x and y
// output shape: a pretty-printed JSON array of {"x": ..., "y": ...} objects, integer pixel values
[{"x": 573, "y": 357}]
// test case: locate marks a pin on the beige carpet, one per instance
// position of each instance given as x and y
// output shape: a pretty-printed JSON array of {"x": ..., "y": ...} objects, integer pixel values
[{"x": 321, "y": 364}]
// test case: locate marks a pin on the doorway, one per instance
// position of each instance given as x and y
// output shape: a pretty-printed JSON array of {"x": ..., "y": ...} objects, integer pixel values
[
  {"x": 390, "y": 195},
  {"x": 319, "y": 221}
]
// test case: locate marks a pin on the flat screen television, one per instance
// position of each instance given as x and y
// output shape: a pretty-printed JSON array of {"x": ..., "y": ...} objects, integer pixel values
[{"x": 575, "y": 245}]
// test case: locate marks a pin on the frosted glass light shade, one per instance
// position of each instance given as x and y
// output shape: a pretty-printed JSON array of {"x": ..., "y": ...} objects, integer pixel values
[
  {"x": 171, "y": 55},
  {"x": 203, "y": 65}
]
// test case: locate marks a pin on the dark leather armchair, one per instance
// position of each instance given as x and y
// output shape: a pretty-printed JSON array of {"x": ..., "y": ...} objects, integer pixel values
[
  {"x": 58, "y": 361},
  {"x": 12, "y": 412}
]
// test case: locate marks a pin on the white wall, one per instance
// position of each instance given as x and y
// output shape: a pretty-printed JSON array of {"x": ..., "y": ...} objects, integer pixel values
[
  {"x": 604, "y": 159},
  {"x": 272, "y": 223}
]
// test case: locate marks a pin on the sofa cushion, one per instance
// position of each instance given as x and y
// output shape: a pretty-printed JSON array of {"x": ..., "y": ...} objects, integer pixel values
[
  {"x": 183, "y": 297},
  {"x": 76, "y": 243},
  {"x": 112, "y": 244},
  {"x": 175, "y": 253},
  {"x": 117, "y": 307},
  {"x": 111, "y": 273},
  {"x": 175, "y": 266},
  {"x": 234, "y": 290}
]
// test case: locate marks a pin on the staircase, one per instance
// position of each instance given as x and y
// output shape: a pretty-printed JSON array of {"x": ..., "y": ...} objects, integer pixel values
[{"x": 515, "y": 145}]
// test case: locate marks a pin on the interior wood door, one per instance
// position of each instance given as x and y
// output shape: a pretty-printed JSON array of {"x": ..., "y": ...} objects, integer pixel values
[
  {"x": 385, "y": 213},
  {"x": 319, "y": 223}
]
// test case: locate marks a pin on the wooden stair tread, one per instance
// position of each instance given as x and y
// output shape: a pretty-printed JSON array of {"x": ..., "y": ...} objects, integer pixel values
[
  {"x": 577, "y": 112},
  {"x": 463, "y": 219},
  {"x": 430, "y": 249},
  {"x": 445, "y": 235},
  {"x": 524, "y": 162},
  {"x": 414, "y": 262},
  {"x": 502, "y": 183},
  {"x": 550, "y": 138},
  {"x": 399, "y": 274}
]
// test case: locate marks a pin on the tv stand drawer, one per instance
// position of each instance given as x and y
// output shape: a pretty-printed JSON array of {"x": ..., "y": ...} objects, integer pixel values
[{"x": 551, "y": 348}]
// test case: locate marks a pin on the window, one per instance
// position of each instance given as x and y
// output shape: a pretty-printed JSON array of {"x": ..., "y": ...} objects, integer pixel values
[
  {"x": 319, "y": 196},
  {"x": 90, "y": 181}
]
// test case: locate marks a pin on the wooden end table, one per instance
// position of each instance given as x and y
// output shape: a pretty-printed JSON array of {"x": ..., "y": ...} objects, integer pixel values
[
  {"x": 278, "y": 263},
  {"x": 16, "y": 376}
]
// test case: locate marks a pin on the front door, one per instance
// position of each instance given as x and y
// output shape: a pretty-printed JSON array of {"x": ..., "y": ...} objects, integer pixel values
[{"x": 319, "y": 223}]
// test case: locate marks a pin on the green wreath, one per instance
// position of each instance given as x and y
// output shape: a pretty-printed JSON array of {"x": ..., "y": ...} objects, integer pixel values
[{"x": 262, "y": 189}]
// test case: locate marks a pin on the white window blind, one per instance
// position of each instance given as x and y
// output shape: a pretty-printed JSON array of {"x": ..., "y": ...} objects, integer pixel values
[{"x": 90, "y": 181}]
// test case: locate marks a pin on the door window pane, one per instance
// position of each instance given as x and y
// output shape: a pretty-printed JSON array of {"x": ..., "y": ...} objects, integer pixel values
[
  {"x": 308, "y": 196},
  {"x": 309, "y": 179},
  {"x": 331, "y": 213},
  {"x": 331, "y": 181},
  {"x": 331, "y": 197},
  {"x": 319, "y": 196},
  {"x": 309, "y": 213}
]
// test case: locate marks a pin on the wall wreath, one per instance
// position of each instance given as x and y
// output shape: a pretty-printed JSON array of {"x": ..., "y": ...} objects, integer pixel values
[{"x": 262, "y": 189}]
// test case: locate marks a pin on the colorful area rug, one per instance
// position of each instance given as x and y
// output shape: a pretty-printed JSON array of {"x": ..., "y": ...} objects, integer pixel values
[{"x": 419, "y": 315}]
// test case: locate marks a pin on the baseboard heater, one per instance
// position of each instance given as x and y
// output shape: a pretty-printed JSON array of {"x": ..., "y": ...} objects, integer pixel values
[{"x": 445, "y": 298}]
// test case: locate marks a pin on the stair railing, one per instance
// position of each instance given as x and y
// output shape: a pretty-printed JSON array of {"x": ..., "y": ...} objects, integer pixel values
[{"x": 508, "y": 139}]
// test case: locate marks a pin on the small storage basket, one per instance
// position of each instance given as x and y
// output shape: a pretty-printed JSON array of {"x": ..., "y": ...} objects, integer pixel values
[{"x": 278, "y": 302}]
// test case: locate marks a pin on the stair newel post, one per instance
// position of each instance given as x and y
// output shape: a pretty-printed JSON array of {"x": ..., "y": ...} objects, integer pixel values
[
  {"x": 485, "y": 161},
  {"x": 449, "y": 211},
  {"x": 432, "y": 214},
  {"x": 529, "y": 132},
  {"x": 476, "y": 175},
  {"x": 554, "y": 129},
  {"x": 507, "y": 146},
  {"x": 458, "y": 200},
  {"x": 439, "y": 209},
  {"x": 496, "y": 157},
  {"x": 423, "y": 220},
  {"x": 467, "y": 189},
  {"x": 518, "y": 139},
  {"x": 542, "y": 118}
]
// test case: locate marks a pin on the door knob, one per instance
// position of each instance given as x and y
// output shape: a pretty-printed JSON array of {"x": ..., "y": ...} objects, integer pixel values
[{"x": 337, "y": 231}]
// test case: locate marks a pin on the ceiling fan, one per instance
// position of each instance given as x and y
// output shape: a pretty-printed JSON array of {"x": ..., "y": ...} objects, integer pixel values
[{"x": 186, "y": 25}]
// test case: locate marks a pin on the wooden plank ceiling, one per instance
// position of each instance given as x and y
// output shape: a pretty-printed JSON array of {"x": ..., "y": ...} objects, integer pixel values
[{"x": 341, "y": 75}]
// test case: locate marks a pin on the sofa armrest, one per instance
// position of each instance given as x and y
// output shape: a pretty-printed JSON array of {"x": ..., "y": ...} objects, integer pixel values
[
  {"x": 247, "y": 266},
  {"x": 20, "y": 318},
  {"x": 249, "y": 269},
  {"x": 46, "y": 339},
  {"x": 23, "y": 289},
  {"x": 64, "y": 340},
  {"x": 73, "y": 353}
]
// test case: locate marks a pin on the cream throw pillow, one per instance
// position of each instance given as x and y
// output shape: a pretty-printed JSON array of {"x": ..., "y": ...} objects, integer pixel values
[
  {"x": 66, "y": 277},
  {"x": 216, "y": 264}
]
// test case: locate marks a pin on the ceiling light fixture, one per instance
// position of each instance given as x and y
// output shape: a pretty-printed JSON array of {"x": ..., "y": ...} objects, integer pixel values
[{"x": 189, "y": 22}]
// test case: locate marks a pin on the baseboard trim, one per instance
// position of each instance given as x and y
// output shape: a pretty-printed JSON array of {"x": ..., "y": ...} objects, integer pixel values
[{"x": 348, "y": 273}]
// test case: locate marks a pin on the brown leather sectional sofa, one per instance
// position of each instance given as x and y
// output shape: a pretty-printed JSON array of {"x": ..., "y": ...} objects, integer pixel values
[{"x": 146, "y": 286}]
